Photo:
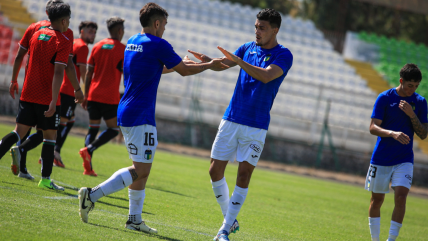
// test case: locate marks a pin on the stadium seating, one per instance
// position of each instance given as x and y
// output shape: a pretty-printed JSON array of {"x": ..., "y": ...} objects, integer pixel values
[
  {"x": 394, "y": 54},
  {"x": 318, "y": 74}
]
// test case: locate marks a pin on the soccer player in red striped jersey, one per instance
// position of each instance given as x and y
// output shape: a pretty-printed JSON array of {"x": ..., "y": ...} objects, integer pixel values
[
  {"x": 39, "y": 103},
  {"x": 105, "y": 67},
  {"x": 88, "y": 32},
  {"x": 25, "y": 145}
]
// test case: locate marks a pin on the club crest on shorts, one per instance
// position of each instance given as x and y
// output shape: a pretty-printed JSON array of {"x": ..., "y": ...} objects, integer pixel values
[
  {"x": 148, "y": 154},
  {"x": 133, "y": 150},
  {"x": 256, "y": 148}
]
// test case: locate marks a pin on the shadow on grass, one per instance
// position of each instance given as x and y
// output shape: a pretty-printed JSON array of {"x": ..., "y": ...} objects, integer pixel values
[
  {"x": 16, "y": 184},
  {"x": 136, "y": 232},
  {"x": 176, "y": 193},
  {"x": 117, "y": 206}
]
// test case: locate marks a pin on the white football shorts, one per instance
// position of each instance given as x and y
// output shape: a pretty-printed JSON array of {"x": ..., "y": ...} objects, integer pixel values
[
  {"x": 240, "y": 142},
  {"x": 141, "y": 142},
  {"x": 378, "y": 177}
]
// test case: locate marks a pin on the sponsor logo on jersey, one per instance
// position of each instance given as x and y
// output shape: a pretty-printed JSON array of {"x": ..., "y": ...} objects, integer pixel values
[
  {"x": 107, "y": 46},
  {"x": 44, "y": 37},
  {"x": 134, "y": 48},
  {"x": 267, "y": 57},
  {"x": 148, "y": 154},
  {"x": 133, "y": 150},
  {"x": 255, "y": 147},
  {"x": 393, "y": 104},
  {"x": 42, "y": 27},
  {"x": 253, "y": 52}
]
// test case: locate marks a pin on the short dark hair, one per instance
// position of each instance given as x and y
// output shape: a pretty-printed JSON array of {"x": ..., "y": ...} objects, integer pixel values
[
  {"x": 50, "y": 2},
  {"x": 149, "y": 12},
  {"x": 87, "y": 24},
  {"x": 411, "y": 72},
  {"x": 270, "y": 15},
  {"x": 114, "y": 22},
  {"x": 57, "y": 11}
]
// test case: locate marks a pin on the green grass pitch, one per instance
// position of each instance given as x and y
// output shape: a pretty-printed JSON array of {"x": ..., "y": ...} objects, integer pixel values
[{"x": 181, "y": 205}]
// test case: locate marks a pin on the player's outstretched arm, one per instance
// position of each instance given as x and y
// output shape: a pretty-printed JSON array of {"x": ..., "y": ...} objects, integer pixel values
[
  {"x": 89, "y": 74},
  {"x": 376, "y": 130},
  {"x": 14, "y": 87},
  {"x": 190, "y": 69},
  {"x": 72, "y": 76},
  {"x": 204, "y": 58},
  {"x": 420, "y": 129},
  {"x": 264, "y": 75},
  {"x": 186, "y": 60},
  {"x": 56, "y": 85}
]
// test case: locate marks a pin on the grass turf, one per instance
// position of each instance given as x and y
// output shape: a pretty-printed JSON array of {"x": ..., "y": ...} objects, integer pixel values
[{"x": 181, "y": 205}]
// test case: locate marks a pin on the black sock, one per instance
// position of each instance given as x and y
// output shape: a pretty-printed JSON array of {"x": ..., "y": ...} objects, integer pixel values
[
  {"x": 32, "y": 142},
  {"x": 48, "y": 158},
  {"x": 7, "y": 142},
  {"x": 104, "y": 137},
  {"x": 24, "y": 138},
  {"x": 62, "y": 134},
  {"x": 92, "y": 134}
]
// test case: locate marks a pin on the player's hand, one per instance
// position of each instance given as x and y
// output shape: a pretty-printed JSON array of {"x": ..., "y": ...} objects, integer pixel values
[
  {"x": 186, "y": 60},
  {"x": 201, "y": 57},
  {"x": 79, "y": 97},
  {"x": 51, "y": 111},
  {"x": 407, "y": 108},
  {"x": 84, "y": 104},
  {"x": 401, "y": 137},
  {"x": 217, "y": 64},
  {"x": 13, "y": 88},
  {"x": 229, "y": 55}
]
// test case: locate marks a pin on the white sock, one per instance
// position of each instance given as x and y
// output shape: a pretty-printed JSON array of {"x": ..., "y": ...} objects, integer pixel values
[
  {"x": 221, "y": 192},
  {"x": 136, "y": 201},
  {"x": 394, "y": 230},
  {"x": 374, "y": 224},
  {"x": 118, "y": 181},
  {"x": 235, "y": 204}
]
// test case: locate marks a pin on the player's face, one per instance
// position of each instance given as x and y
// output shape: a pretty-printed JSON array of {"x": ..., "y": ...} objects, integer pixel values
[
  {"x": 88, "y": 35},
  {"x": 409, "y": 87},
  {"x": 160, "y": 27},
  {"x": 264, "y": 32}
]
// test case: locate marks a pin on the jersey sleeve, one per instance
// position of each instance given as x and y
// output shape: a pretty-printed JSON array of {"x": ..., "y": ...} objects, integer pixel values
[
  {"x": 167, "y": 55},
  {"x": 423, "y": 111},
  {"x": 284, "y": 61},
  {"x": 25, "y": 41},
  {"x": 81, "y": 54},
  {"x": 240, "y": 52},
  {"x": 63, "y": 52},
  {"x": 379, "y": 107}
]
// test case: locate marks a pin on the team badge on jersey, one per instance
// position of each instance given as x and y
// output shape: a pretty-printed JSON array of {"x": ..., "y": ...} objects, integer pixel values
[
  {"x": 267, "y": 57},
  {"x": 413, "y": 105},
  {"x": 148, "y": 154},
  {"x": 107, "y": 46},
  {"x": 42, "y": 27},
  {"x": 44, "y": 37}
]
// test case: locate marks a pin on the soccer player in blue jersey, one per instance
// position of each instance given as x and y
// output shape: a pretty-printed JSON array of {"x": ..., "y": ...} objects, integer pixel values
[
  {"x": 264, "y": 64},
  {"x": 147, "y": 56},
  {"x": 398, "y": 113}
]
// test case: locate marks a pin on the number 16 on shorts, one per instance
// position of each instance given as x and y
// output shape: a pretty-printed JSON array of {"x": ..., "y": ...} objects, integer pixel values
[{"x": 141, "y": 142}]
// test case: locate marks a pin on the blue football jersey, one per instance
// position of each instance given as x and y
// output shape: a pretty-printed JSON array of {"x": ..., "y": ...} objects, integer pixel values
[
  {"x": 388, "y": 151},
  {"x": 145, "y": 56},
  {"x": 252, "y": 100}
]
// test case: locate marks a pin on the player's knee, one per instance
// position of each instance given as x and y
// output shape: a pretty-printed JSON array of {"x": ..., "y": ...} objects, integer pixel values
[
  {"x": 376, "y": 202},
  {"x": 400, "y": 200}
]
